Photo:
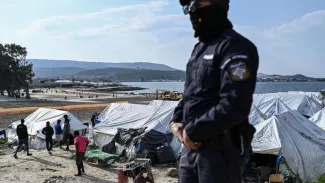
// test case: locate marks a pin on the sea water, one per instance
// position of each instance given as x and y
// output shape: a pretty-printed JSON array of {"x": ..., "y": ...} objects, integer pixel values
[{"x": 261, "y": 87}]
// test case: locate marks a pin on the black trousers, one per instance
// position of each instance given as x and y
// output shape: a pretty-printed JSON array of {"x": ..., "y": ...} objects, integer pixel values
[
  {"x": 79, "y": 161},
  {"x": 79, "y": 158},
  {"x": 209, "y": 166},
  {"x": 49, "y": 144},
  {"x": 66, "y": 140}
]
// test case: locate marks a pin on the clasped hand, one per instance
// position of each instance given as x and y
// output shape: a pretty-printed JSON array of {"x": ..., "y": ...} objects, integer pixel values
[{"x": 180, "y": 133}]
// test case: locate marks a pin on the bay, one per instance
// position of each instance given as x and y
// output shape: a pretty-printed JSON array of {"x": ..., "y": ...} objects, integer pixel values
[{"x": 261, "y": 87}]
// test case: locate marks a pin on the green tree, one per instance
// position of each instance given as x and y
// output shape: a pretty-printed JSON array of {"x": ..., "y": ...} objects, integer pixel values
[{"x": 16, "y": 72}]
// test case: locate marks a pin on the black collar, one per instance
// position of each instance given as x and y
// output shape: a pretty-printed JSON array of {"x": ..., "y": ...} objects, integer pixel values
[{"x": 215, "y": 31}]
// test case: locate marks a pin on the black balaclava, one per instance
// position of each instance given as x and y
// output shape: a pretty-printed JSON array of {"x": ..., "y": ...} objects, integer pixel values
[{"x": 210, "y": 21}]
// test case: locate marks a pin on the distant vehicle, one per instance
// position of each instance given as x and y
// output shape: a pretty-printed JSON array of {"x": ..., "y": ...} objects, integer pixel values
[{"x": 171, "y": 95}]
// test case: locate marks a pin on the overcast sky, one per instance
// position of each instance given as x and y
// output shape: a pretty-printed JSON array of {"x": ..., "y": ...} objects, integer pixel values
[{"x": 290, "y": 34}]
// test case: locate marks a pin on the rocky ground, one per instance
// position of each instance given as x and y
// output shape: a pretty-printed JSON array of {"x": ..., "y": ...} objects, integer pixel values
[{"x": 60, "y": 167}]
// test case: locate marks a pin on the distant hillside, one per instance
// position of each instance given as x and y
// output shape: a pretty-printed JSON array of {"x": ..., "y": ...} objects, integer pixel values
[
  {"x": 261, "y": 75},
  {"x": 289, "y": 78},
  {"x": 122, "y": 74},
  {"x": 45, "y": 72},
  {"x": 41, "y": 63}
]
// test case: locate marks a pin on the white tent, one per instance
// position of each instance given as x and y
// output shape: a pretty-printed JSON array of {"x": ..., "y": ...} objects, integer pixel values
[
  {"x": 294, "y": 101},
  {"x": 319, "y": 119},
  {"x": 123, "y": 115},
  {"x": 275, "y": 108},
  {"x": 36, "y": 121},
  {"x": 301, "y": 102},
  {"x": 302, "y": 142},
  {"x": 256, "y": 116},
  {"x": 155, "y": 115}
]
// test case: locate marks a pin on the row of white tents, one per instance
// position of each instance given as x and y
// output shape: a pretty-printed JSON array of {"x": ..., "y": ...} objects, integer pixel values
[
  {"x": 281, "y": 121},
  {"x": 271, "y": 104}
]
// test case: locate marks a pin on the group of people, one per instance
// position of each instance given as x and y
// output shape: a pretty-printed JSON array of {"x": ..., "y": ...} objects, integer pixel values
[{"x": 61, "y": 135}]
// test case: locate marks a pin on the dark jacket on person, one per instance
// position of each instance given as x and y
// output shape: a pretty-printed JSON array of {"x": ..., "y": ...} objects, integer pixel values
[
  {"x": 48, "y": 132},
  {"x": 22, "y": 132},
  {"x": 66, "y": 127}
]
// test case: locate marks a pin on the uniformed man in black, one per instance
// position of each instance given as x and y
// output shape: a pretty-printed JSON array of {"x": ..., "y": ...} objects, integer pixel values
[{"x": 212, "y": 118}]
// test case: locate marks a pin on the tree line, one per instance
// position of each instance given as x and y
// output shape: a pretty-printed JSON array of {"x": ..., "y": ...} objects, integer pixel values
[{"x": 16, "y": 73}]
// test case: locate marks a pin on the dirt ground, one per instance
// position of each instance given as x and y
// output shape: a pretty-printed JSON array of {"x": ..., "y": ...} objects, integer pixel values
[{"x": 59, "y": 167}]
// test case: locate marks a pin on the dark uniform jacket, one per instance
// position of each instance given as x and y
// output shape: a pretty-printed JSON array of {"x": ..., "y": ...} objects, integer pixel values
[
  {"x": 219, "y": 87},
  {"x": 48, "y": 132},
  {"x": 22, "y": 132}
]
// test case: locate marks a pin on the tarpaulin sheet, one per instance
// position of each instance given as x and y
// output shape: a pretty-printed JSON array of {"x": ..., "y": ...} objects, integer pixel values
[
  {"x": 154, "y": 116},
  {"x": 256, "y": 116},
  {"x": 302, "y": 142},
  {"x": 271, "y": 104},
  {"x": 319, "y": 119},
  {"x": 37, "y": 120}
]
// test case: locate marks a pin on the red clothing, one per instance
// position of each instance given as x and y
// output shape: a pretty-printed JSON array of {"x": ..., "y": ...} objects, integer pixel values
[{"x": 82, "y": 143}]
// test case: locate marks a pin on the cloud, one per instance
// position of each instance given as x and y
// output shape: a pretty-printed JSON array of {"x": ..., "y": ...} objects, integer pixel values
[
  {"x": 144, "y": 32},
  {"x": 37, "y": 25},
  {"x": 298, "y": 26}
]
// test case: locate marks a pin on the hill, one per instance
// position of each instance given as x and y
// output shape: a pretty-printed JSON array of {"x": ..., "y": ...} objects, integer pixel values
[
  {"x": 261, "y": 75},
  {"x": 122, "y": 74},
  {"x": 289, "y": 78},
  {"x": 45, "y": 72},
  {"x": 45, "y": 63}
]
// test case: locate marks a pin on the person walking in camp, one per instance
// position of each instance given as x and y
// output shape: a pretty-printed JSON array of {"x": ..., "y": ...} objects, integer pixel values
[
  {"x": 22, "y": 134},
  {"x": 66, "y": 131},
  {"x": 212, "y": 118},
  {"x": 48, "y": 132},
  {"x": 81, "y": 144},
  {"x": 93, "y": 118},
  {"x": 59, "y": 133}
]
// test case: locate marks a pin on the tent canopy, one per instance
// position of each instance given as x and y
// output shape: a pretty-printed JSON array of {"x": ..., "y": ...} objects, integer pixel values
[
  {"x": 302, "y": 143},
  {"x": 276, "y": 103},
  {"x": 37, "y": 120},
  {"x": 121, "y": 115},
  {"x": 154, "y": 116},
  {"x": 256, "y": 116},
  {"x": 319, "y": 119}
]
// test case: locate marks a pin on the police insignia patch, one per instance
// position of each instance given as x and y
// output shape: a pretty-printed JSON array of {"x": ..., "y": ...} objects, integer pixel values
[{"x": 239, "y": 71}]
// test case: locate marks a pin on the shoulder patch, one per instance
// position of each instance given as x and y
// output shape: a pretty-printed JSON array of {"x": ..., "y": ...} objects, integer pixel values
[{"x": 238, "y": 71}]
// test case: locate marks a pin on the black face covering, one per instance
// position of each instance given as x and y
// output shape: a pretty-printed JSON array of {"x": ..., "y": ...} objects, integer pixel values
[{"x": 207, "y": 19}]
